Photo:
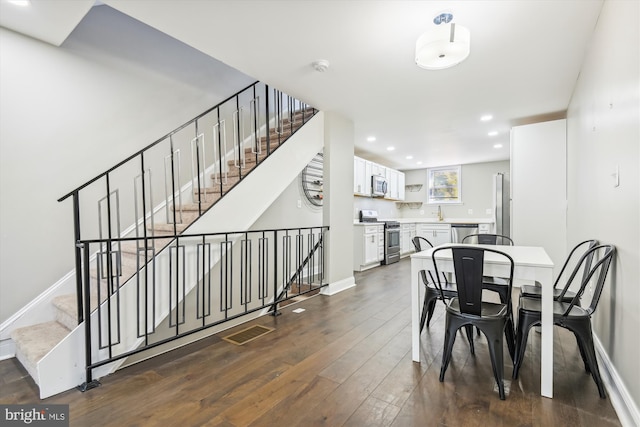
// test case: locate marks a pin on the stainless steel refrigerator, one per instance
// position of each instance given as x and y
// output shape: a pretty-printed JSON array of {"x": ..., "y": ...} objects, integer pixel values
[{"x": 502, "y": 204}]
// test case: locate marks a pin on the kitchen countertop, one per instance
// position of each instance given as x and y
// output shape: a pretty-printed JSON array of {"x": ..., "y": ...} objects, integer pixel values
[{"x": 430, "y": 221}]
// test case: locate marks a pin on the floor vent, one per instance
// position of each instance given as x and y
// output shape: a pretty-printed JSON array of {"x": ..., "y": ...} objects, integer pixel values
[{"x": 246, "y": 335}]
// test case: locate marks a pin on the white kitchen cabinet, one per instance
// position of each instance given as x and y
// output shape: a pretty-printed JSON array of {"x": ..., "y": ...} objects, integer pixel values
[
  {"x": 361, "y": 177},
  {"x": 377, "y": 169},
  {"x": 400, "y": 185},
  {"x": 392, "y": 184},
  {"x": 407, "y": 233},
  {"x": 437, "y": 234},
  {"x": 368, "y": 246}
]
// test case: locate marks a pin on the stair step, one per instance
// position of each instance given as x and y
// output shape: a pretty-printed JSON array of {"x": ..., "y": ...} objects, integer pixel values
[
  {"x": 35, "y": 341},
  {"x": 194, "y": 207},
  {"x": 169, "y": 228}
]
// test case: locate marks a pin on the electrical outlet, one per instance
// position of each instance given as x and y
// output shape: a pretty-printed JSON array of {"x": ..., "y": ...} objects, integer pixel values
[
  {"x": 488, "y": 211},
  {"x": 299, "y": 204},
  {"x": 470, "y": 211},
  {"x": 421, "y": 211}
]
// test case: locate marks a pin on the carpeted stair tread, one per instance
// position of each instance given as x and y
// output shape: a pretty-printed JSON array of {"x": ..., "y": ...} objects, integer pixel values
[{"x": 37, "y": 340}]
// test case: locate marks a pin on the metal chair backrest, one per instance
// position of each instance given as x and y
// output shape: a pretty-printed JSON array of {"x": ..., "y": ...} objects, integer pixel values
[
  {"x": 590, "y": 244},
  {"x": 488, "y": 239},
  {"x": 468, "y": 265},
  {"x": 599, "y": 270},
  {"x": 421, "y": 244}
]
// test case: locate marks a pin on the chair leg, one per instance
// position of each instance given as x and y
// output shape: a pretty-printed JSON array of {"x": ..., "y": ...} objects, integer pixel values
[
  {"x": 449, "y": 340},
  {"x": 494, "y": 339},
  {"x": 584, "y": 335},
  {"x": 469, "y": 331},
  {"x": 583, "y": 354},
  {"x": 522, "y": 334},
  {"x": 432, "y": 307},
  {"x": 425, "y": 309},
  {"x": 511, "y": 338}
]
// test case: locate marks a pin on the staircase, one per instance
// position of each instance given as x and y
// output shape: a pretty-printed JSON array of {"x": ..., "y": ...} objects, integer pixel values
[{"x": 37, "y": 343}]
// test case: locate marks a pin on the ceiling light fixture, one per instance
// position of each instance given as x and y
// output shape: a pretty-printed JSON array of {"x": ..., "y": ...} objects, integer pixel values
[
  {"x": 492, "y": 133},
  {"x": 486, "y": 118},
  {"x": 371, "y": 138},
  {"x": 445, "y": 46},
  {"x": 497, "y": 146},
  {"x": 320, "y": 65},
  {"x": 391, "y": 148},
  {"x": 409, "y": 157},
  {"x": 22, "y": 3}
]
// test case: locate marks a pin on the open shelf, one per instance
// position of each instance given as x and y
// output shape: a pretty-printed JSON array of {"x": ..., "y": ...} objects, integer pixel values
[
  {"x": 410, "y": 205},
  {"x": 412, "y": 188}
]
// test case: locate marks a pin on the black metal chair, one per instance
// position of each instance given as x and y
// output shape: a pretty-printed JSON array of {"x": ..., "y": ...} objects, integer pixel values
[
  {"x": 494, "y": 284},
  {"x": 469, "y": 309},
  {"x": 488, "y": 239},
  {"x": 432, "y": 294},
  {"x": 570, "y": 315},
  {"x": 535, "y": 291}
]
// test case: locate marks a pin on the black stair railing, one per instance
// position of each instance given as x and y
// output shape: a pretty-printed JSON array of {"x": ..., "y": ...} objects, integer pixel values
[
  {"x": 156, "y": 193},
  {"x": 199, "y": 281}
]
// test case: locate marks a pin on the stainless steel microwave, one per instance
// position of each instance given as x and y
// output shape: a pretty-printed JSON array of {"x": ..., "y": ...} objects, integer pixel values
[{"x": 378, "y": 186}]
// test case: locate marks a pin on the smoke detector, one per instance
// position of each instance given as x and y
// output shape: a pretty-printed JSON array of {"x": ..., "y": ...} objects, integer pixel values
[{"x": 320, "y": 65}]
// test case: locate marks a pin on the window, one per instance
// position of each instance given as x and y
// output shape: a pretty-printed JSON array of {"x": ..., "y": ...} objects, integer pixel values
[{"x": 444, "y": 185}]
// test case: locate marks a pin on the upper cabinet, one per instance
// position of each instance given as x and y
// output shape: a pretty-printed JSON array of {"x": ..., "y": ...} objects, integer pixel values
[
  {"x": 361, "y": 177},
  {"x": 364, "y": 169}
]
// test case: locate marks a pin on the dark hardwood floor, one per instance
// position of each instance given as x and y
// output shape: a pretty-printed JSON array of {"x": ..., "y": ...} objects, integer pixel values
[{"x": 345, "y": 361}]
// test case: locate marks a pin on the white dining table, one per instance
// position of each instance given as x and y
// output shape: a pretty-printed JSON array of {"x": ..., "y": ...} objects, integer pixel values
[{"x": 530, "y": 263}]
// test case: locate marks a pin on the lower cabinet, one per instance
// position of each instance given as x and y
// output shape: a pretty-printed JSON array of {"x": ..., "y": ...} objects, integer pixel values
[
  {"x": 437, "y": 234},
  {"x": 407, "y": 233},
  {"x": 368, "y": 246}
]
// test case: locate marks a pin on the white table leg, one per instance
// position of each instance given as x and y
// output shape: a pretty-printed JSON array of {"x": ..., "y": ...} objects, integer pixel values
[
  {"x": 546, "y": 362},
  {"x": 415, "y": 312}
]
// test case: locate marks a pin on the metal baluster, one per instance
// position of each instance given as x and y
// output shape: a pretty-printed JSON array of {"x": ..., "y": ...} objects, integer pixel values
[{"x": 198, "y": 168}]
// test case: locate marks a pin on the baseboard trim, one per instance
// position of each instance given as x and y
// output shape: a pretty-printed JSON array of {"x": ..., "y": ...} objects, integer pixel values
[
  {"x": 339, "y": 286},
  {"x": 621, "y": 400}
]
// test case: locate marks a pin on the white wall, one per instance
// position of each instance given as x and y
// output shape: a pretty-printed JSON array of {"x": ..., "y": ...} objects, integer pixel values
[
  {"x": 604, "y": 135},
  {"x": 70, "y": 113},
  {"x": 477, "y": 192}
]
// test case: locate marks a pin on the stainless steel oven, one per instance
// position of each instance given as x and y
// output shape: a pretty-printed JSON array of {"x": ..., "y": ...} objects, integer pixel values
[{"x": 391, "y": 242}]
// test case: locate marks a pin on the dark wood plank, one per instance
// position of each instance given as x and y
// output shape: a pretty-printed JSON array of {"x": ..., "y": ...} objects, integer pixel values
[{"x": 346, "y": 360}]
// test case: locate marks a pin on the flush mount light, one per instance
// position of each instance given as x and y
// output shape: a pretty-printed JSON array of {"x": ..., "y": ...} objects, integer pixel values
[
  {"x": 486, "y": 118},
  {"x": 418, "y": 163},
  {"x": 320, "y": 65},
  {"x": 497, "y": 146},
  {"x": 21, "y": 3},
  {"x": 371, "y": 138},
  {"x": 444, "y": 46},
  {"x": 492, "y": 133},
  {"x": 409, "y": 157},
  {"x": 391, "y": 148}
]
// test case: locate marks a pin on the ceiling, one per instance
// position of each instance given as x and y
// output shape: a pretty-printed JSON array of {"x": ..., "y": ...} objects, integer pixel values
[{"x": 525, "y": 59}]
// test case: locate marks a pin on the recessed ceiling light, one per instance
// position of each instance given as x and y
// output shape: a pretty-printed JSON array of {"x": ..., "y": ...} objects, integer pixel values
[
  {"x": 391, "y": 148},
  {"x": 486, "y": 117},
  {"x": 492, "y": 133},
  {"x": 371, "y": 138},
  {"x": 497, "y": 146},
  {"x": 22, "y": 3},
  {"x": 409, "y": 157},
  {"x": 418, "y": 163}
]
